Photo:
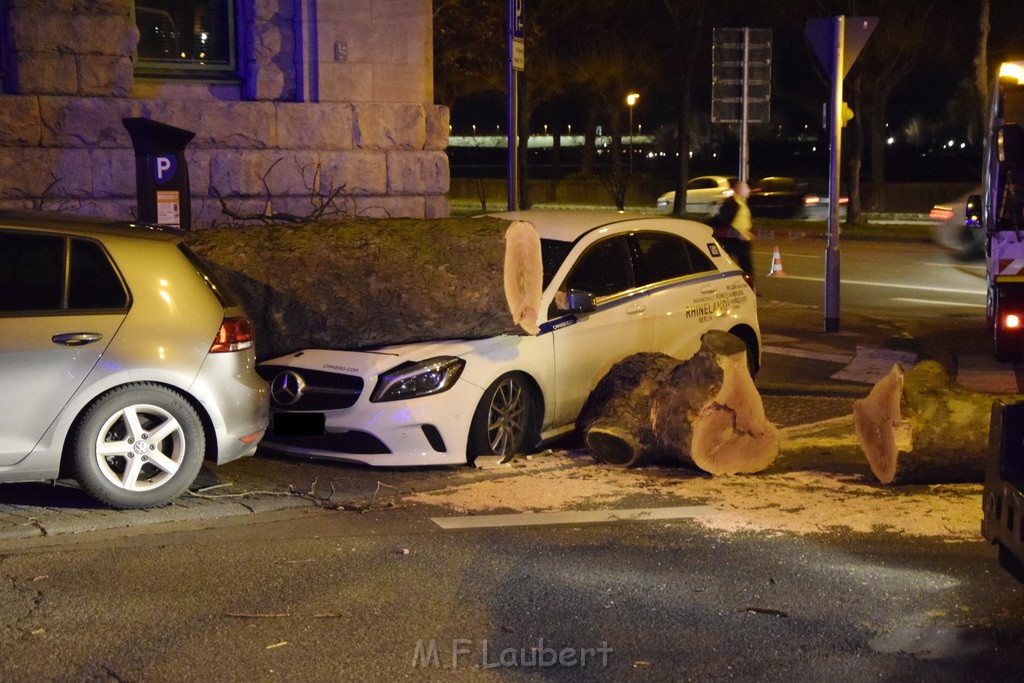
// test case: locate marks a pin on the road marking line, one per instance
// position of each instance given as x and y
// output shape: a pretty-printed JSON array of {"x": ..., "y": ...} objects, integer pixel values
[
  {"x": 924, "y": 288},
  {"x": 933, "y": 302},
  {"x": 573, "y": 517},
  {"x": 958, "y": 266},
  {"x": 788, "y": 255},
  {"x": 811, "y": 355}
]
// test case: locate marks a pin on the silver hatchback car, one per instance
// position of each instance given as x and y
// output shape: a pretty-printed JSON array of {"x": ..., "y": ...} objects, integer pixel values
[{"x": 122, "y": 363}]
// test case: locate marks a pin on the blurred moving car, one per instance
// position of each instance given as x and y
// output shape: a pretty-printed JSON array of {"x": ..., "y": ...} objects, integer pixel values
[
  {"x": 614, "y": 285},
  {"x": 704, "y": 195},
  {"x": 122, "y": 363},
  {"x": 782, "y": 197},
  {"x": 950, "y": 229}
]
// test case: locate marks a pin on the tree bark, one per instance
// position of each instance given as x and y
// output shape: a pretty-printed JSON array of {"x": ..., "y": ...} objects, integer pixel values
[
  {"x": 366, "y": 283},
  {"x": 616, "y": 419},
  {"x": 921, "y": 427},
  {"x": 703, "y": 412}
]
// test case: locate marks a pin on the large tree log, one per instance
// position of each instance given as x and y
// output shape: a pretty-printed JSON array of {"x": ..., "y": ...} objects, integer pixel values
[
  {"x": 705, "y": 411},
  {"x": 616, "y": 419},
  {"x": 922, "y": 427},
  {"x": 363, "y": 283}
]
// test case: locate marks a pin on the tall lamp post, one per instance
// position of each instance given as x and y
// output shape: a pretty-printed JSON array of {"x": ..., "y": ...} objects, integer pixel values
[{"x": 631, "y": 99}]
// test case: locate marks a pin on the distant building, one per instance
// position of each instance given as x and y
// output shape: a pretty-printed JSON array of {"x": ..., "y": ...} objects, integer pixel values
[{"x": 297, "y": 101}]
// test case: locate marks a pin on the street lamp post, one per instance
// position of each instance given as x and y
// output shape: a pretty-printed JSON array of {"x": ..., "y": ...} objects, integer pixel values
[{"x": 631, "y": 99}]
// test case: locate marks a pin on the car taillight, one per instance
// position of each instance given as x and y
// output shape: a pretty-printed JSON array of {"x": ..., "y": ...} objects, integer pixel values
[
  {"x": 235, "y": 334},
  {"x": 811, "y": 199},
  {"x": 940, "y": 213},
  {"x": 1011, "y": 321}
]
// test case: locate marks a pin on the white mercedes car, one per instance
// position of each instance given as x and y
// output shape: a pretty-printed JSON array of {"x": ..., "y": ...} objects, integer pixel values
[{"x": 614, "y": 284}]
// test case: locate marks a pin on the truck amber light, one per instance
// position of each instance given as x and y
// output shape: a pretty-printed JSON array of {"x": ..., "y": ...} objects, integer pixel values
[
  {"x": 1011, "y": 321},
  {"x": 235, "y": 334}
]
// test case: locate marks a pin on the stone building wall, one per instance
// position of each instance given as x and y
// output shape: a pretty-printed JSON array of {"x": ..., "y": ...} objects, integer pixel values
[{"x": 339, "y": 110}]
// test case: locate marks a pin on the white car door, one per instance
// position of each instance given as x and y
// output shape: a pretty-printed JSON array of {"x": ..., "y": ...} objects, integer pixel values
[
  {"x": 685, "y": 290},
  {"x": 50, "y": 338},
  {"x": 586, "y": 345}
]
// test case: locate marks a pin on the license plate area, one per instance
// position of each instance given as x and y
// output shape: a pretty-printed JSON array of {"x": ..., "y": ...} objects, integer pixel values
[{"x": 298, "y": 424}]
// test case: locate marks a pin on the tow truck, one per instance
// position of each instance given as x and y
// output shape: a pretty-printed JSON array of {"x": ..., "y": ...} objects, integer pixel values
[{"x": 1000, "y": 213}]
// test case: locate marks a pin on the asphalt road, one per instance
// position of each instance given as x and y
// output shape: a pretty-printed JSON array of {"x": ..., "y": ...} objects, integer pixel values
[{"x": 388, "y": 595}]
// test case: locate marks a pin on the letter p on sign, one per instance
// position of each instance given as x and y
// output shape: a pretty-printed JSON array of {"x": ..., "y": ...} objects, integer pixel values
[{"x": 164, "y": 168}]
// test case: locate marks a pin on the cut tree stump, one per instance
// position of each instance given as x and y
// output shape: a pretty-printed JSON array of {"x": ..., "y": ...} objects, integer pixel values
[
  {"x": 921, "y": 427},
  {"x": 704, "y": 412},
  {"x": 352, "y": 284}
]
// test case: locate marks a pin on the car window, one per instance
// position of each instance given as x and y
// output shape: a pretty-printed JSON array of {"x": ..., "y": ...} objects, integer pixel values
[
  {"x": 92, "y": 280},
  {"x": 32, "y": 275},
  {"x": 31, "y": 272},
  {"x": 699, "y": 261},
  {"x": 665, "y": 256},
  {"x": 553, "y": 253},
  {"x": 701, "y": 184},
  {"x": 604, "y": 270}
]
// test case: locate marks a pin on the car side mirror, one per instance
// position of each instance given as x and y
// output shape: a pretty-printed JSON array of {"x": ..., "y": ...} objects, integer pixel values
[
  {"x": 578, "y": 301},
  {"x": 974, "y": 209}
]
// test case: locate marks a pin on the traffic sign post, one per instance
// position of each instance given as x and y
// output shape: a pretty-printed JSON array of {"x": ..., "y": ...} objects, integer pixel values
[
  {"x": 837, "y": 42},
  {"x": 741, "y": 82},
  {"x": 516, "y": 64}
]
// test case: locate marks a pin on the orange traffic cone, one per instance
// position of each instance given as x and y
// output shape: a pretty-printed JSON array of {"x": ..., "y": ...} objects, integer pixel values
[{"x": 776, "y": 270}]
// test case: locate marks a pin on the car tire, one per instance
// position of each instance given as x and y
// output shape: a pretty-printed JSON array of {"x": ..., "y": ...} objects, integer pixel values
[
  {"x": 1006, "y": 348},
  {"x": 504, "y": 423},
  {"x": 991, "y": 301},
  {"x": 138, "y": 446}
]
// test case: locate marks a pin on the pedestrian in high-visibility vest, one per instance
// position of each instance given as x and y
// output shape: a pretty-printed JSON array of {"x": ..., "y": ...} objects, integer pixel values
[{"x": 733, "y": 227}]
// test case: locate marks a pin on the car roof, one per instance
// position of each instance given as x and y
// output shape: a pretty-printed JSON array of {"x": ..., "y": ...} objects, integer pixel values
[
  {"x": 569, "y": 226},
  {"x": 68, "y": 223}
]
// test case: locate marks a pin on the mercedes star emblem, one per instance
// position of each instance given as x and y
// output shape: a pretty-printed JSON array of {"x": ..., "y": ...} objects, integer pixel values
[{"x": 287, "y": 388}]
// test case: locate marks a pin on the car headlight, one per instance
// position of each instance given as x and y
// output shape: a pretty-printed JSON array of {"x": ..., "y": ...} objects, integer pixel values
[{"x": 412, "y": 380}]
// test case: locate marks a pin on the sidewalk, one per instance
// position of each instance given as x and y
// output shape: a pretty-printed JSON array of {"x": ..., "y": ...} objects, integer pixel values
[{"x": 800, "y": 359}]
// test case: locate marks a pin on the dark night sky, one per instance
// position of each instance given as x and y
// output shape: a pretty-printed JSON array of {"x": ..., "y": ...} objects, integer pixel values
[{"x": 800, "y": 87}]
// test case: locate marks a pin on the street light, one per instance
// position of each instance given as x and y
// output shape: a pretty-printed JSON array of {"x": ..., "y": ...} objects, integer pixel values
[{"x": 631, "y": 99}]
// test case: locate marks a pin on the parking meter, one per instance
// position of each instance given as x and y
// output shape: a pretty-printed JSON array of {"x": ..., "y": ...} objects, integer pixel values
[{"x": 161, "y": 172}]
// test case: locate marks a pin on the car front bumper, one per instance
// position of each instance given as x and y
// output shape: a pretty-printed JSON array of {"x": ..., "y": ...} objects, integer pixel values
[{"x": 429, "y": 430}]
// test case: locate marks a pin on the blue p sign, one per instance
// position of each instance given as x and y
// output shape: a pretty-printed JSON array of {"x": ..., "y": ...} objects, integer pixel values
[
  {"x": 516, "y": 7},
  {"x": 164, "y": 167}
]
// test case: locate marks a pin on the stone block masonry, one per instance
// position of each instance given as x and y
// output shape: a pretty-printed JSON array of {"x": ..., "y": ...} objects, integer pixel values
[
  {"x": 345, "y": 115},
  {"x": 73, "y": 153}
]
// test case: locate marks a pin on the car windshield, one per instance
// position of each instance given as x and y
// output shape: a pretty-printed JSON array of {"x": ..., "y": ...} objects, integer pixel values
[{"x": 553, "y": 253}]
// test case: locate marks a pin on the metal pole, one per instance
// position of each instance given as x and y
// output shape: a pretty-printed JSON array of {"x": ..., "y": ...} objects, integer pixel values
[
  {"x": 835, "y": 154},
  {"x": 744, "y": 122},
  {"x": 513, "y": 116},
  {"x": 630, "y": 140}
]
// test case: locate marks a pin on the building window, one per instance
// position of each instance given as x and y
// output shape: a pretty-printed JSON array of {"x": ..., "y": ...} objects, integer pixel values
[{"x": 186, "y": 38}]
